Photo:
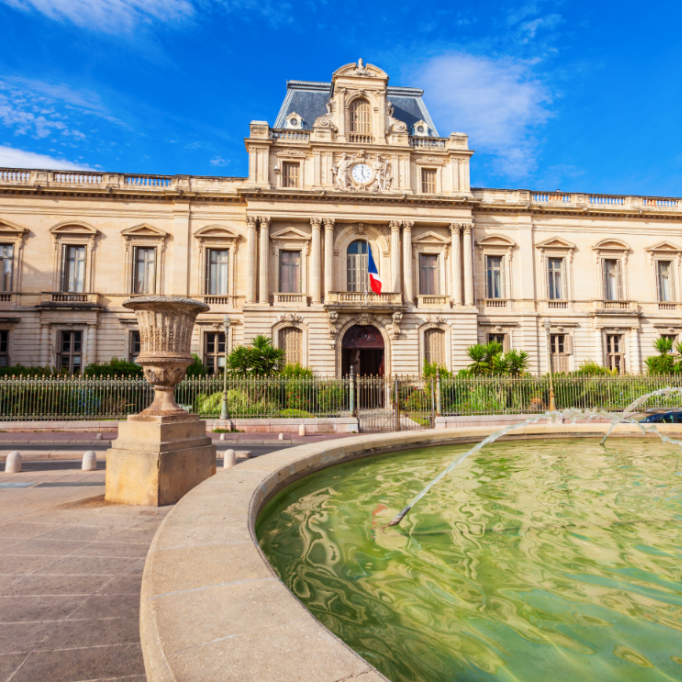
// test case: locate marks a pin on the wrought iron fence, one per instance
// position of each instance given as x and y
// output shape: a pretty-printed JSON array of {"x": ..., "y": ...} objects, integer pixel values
[{"x": 405, "y": 402}]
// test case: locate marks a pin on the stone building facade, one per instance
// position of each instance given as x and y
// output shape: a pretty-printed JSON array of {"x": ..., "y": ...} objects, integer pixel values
[{"x": 349, "y": 166}]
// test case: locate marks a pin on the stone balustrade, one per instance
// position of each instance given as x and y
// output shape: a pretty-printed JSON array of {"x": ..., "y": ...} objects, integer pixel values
[
  {"x": 362, "y": 298},
  {"x": 68, "y": 297},
  {"x": 433, "y": 301},
  {"x": 290, "y": 299}
]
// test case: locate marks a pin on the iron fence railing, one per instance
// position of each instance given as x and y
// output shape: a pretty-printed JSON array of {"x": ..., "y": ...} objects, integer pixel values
[{"x": 413, "y": 399}]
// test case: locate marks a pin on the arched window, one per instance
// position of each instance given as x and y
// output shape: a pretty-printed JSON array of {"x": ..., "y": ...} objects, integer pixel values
[
  {"x": 434, "y": 346},
  {"x": 291, "y": 342},
  {"x": 356, "y": 261},
  {"x": 360, "y": 117}
]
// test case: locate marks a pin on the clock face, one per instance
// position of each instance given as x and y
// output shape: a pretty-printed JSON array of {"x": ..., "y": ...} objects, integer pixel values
[{"x": 362, "y": 173}]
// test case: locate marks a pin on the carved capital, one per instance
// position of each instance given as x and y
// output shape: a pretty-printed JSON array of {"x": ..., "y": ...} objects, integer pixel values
[
  {"x": 315, "y": 222},
  {"x": 455, "y": 229},
  {"x": 394, "y": 225},
  {"x": 264, "y": 221},
  {"x": 328, "y": 223},
  {"x": 407, "y": 224},
  {"x": 468, "y": 228},
  {"x": 250, "y": 221}
]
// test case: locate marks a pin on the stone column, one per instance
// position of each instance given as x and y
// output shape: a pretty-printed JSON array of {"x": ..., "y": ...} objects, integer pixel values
[
  {"x": 328, "y": 257},
  {"x": 263, "y": 290},
  {"x": 456, "y": 270},
  {"x": 250, "y": 259},
  {"x": 468, "y": 266},
  {"x": 395, "y": 255},
  {"x": 315, "y": 274},
  {"x": 407, "y": 261}
]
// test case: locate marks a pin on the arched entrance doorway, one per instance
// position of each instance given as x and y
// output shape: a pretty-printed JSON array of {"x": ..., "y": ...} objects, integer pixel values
[{"x": 363, "y": 349}]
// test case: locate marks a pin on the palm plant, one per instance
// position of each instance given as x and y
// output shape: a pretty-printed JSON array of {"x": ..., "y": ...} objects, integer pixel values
[{"x": 517, "y": 362}]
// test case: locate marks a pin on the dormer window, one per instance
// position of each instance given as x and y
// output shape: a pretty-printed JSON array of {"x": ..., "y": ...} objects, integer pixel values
[
  {"x": 360, "y": 117},
  {"x": 294, "y": 120}
]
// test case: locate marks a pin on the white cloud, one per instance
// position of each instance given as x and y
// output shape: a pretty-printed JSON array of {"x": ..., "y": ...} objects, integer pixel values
[
  {"x": 107, "y": 15},
  {"x": 116, "y": 16},
  {"x": 218, "y": 161},
  {"x": 497, "y": 102},
  {"x": 19, "y": 158}
]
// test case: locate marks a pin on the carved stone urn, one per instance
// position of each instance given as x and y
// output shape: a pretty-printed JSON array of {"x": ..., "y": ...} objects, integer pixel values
[{"x": 166, "y": 325}]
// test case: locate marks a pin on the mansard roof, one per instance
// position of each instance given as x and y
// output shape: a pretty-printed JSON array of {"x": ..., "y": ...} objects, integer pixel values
[{"x": 308, "y": 100}]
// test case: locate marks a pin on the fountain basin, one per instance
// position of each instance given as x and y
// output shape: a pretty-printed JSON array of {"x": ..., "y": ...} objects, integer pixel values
[{"x": 209, "y": 596}]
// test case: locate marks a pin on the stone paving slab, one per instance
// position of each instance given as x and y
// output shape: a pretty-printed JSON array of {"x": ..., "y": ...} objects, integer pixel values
[{"x": 70, "y": 574}]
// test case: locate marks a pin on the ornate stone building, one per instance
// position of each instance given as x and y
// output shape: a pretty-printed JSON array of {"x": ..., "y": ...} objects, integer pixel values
[{"x": 350, "y": 165}]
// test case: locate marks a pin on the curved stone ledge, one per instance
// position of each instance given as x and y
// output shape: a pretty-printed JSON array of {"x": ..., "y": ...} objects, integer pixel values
[{"x": 213, "y": 610}]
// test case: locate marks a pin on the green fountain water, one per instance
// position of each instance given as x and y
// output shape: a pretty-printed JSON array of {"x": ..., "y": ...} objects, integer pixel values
[{"x": 533, "y": 561}]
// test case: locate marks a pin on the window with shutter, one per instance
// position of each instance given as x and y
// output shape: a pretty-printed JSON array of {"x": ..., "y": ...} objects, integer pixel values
[
  {"x": 360, "y": 117},
  {"x": 357, "y": 264},
  {"x": 495, "y": 277},
  {"x": 429, "y": 181},
  {"x": 291, "y": 174},
  {"x": 664, "y": 271},
  {"x": 615, "y": 356},
  {"x": 291, "y": 342},
  {"x": 434, "y": 346},
  {"x": 613, "y": 288},
  {"x": 428, "y": 274},
  {"x": 6, "y": 266},
  {"x": 555, "y": 279},
  {"x": 73, "y": 270},
  {"x": 144, "y": 270}
]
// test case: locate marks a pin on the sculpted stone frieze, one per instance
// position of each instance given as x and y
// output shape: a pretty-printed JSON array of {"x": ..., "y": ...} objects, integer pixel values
[{"x": 382, "y": 175}]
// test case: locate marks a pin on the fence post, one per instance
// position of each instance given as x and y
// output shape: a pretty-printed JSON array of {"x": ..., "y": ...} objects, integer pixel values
[
  {"x": 352, "y": 392},
  {"x": 397, "y": 403},
  {"x": 433, "y": 405},
  {"x": 438, "y": 399}
]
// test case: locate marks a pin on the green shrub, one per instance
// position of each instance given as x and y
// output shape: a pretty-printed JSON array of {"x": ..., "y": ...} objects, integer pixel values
[
  {"x": 295, "y": 413},
  {"x": 36, "y": 372},
  {"x": 332, "y": 398},
  {"x": 113, "y": 368},
  {"x": 197, "y": 368},
  {"x": 296, "y": 371}
]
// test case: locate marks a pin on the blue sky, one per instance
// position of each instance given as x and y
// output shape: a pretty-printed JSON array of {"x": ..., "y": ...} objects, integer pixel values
[{"x": 577, "y": 96}]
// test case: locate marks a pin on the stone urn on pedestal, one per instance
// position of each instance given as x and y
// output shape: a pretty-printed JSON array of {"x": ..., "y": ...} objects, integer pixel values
[{"x": 163, "y": 452}]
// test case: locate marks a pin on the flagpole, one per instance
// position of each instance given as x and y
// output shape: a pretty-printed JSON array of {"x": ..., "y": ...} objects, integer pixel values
[{"x": 367, "y": 273}]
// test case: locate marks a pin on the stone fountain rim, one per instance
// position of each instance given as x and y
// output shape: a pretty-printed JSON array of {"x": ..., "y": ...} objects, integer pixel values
[
  {"x": 209, "y": 594},
  {"x": 173, "y": 300}
]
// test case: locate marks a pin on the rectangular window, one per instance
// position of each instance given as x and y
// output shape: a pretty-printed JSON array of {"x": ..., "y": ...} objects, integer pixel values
[
  {"x": 144, "y": 270},
  {"x": 555, "y": 278},
  {"x": 666, "y": 289},
  {"x": 4, "y": 348},
  {"x": 428, "y": 274},
  {"x": 70, "y": 355},
  {"x": 502, "y": 339},
  {"x": 290, "y": 272},
  {"x": 613, "y": 287},
  {"x": 614, "y": 352},
  {"x": 291, "y": 341},
  {"x": 290, "y": 174},
  {"x": 494, "y": 277},
  {"x": 216, "y": 271},
  {"x": 214, "y": 352},
  {"x": 429, "y": 180},
  {"x": 6, "y": 266},
  {"x": 434, "y": 346},
  {"x": 134, "y": 347},
  {"x": 559, "y": 352},
  {"x": 73, "y": 269}
]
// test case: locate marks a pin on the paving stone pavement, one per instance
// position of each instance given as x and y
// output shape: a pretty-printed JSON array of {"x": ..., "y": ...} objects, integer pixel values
[{"x": 70, "y": 573}]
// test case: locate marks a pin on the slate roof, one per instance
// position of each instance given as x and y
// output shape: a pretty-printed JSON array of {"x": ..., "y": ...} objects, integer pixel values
[{"x": 308, "y": 100}]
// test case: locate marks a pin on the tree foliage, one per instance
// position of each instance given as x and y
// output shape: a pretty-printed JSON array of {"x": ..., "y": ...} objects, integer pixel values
[
  {"x": 489, "y": 359},
  {"x": 261, "y": 358}
]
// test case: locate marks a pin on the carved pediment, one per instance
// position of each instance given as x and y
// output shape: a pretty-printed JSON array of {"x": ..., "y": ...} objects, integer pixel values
[
  {"x": 611, "y": 245},
  {"x": 74, "y": 228},
  {"x": 360, "y": 70},
  {"x": 664, "y": 247},
  {"x": 496, "y": 240},
  {"x": 556, "y": 243},
  {"x": 215, "y": 232},
  {"x": 144, "y": 230},
  {"x": 432, "y": 238},
  {"x": 7, "y": 228},
  {"x": 291, "y": 234}
]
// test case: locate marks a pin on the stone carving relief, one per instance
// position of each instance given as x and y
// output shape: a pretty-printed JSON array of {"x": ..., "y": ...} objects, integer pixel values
[
  {"x": 290, "y": 317},
  {"x": 394, "y": 327},
  {"x": 394, "y": 125},
  {"x": 436, "y": 319},
  {"x": 333, "y": 322},
  {"x": 382, "y": 175},
  {"x": 362, "y": 70},
  {"x": 363, "y": 319},
  {"x": 327, "y": 120}
]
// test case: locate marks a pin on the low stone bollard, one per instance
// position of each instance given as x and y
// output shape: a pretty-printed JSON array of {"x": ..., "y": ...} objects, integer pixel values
[
  {"x": 89, "y": 461},
  {"x": 229, "y": 459},
  {"x": 13, "y": 463},
  {"x": 301, "y": 430},
  {"x": 98, "y": 436},
  {"x": 281, "y": 436},
  {"x": 244, "y": 454},
  {"x": 222, "y": 436}
]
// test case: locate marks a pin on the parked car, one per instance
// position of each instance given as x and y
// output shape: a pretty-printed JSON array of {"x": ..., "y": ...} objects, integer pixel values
[{"x": 672, "y": 417}]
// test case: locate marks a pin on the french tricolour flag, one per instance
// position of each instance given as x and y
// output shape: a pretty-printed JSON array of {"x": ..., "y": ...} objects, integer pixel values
[{"x": 374, "y": 279}]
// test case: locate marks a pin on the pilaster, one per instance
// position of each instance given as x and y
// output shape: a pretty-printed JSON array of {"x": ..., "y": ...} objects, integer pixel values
[
  {"x": 395, "y": 255},
  {"x": 456, "y": 256},
  {"x": 251, "y": 259},
  {"x": 407, "y": 261},
  {"x": 315, "y": 274},
  {"x": 468, "y": 266},
  {"x": 328, "y": 256},
  {"x": 263, "y": 280}
]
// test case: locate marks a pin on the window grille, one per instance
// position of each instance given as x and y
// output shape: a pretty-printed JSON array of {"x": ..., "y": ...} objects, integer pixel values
[
  {"x": 73, "y": 269},
  {"x": 144, "y": 270},
  {"x": 428, "y": 180},
  {"x": 214, "y": 352},
  {"x": 357, "y": 264},
  {"x": 290, "y": 174},
  {"x": 216, "y": 271},
  {"x": 6, "y": 266},
  {"x": 434, "y": 346},
  {"x": 555, "y": 279},
  {"x": 494, "y": 277},
  {"x": 290, "y": 272},
  {"x": 428, "y": 274},
  {"x": 360, "y": 117},
  {"x": 70, "y": 355},
  {"x": 291, "y": 341},
  {"x": 666, "y": 288}
]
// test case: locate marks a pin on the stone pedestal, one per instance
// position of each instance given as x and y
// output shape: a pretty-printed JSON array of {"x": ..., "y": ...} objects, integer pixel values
[{"x": 157, "y": 459}]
